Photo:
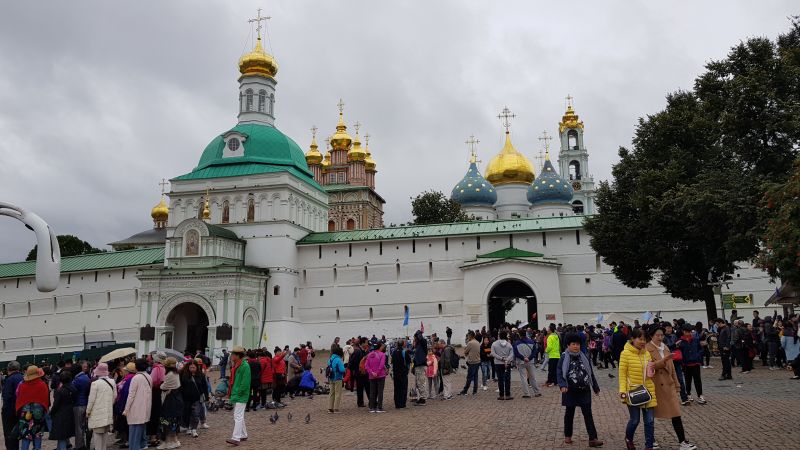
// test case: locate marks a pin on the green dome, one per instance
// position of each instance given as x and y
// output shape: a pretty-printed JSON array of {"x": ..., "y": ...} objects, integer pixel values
[{"x": 262, "y": 144}]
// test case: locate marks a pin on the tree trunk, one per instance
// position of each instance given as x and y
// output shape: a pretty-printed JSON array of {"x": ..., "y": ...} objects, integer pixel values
[{"x": 711, "y": 303}]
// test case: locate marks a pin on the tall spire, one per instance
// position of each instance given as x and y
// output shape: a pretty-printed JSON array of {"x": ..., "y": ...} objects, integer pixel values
[
  {"x": 341, "y": 140},
  {"x": 160, "y": 212},
  {"x": 206, "y": 209},
  {"x": 257, "y": 81}
]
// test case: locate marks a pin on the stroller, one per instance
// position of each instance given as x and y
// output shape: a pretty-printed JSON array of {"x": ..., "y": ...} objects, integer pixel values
[{"x": 217, "y": 400}]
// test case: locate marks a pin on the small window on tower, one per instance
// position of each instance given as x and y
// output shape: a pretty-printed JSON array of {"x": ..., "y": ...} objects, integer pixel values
[
  {"x": 248, "y": 94},
  {"x": 233, "y": 144},
  {"x": 262, "y": 101}
]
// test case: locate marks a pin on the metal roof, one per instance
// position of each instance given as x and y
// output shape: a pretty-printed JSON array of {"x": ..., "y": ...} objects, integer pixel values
[
  {"x": 243, "y": 169},
  {"x": 446, "y": 229},
  {"x": 511, "y": 252},
  {"x": 151, "y": 236},
  {"x": 93, "y": 261}
]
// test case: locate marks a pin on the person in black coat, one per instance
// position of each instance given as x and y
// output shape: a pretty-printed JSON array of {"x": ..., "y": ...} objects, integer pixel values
[
  {"x": 61, "y": 413},
  {"x": 401, "y": 362},
  {"x": 255, "y": 381},
  {"x": 194, "y": 390},
  {"x": 362, "y": 380}
]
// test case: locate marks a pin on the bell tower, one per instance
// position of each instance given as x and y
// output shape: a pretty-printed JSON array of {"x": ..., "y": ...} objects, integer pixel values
[{"x": 573, "y": 161}]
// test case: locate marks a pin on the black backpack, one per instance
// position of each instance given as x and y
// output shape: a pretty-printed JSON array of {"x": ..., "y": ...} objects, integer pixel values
[{"x": 578, "y": 377}]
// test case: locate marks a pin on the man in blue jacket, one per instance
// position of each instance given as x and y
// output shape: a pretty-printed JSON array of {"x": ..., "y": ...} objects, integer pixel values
[
  {"x": 10, "y": 384},
  {"x": 82, "y": 383},
  {"x": 420, "y": 363},
  {"x": 524, "y": 354}
]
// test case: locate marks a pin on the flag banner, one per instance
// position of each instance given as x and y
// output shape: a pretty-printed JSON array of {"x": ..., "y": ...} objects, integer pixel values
[
  {"x": 599, "y": 317},
  {"x": 647, "y": 316},
  {"x": 405, "y": 318},
  {"x": 421, "y": 326}
]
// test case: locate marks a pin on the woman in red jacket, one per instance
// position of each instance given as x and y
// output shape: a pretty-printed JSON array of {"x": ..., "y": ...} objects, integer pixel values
[
  {"x": 265, "y": 358},
  {"x": 278, "y": 377}
]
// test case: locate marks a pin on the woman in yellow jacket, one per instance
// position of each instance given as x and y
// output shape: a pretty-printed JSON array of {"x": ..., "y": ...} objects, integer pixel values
[{"x": 633, "y": 364}]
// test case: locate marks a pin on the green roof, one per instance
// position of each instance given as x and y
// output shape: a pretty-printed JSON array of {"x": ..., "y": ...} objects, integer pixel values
[
  {"x": 511, "y": 252},
  {"x": 92, "y": 261},
  {"x": 266, "y": 150},
  {"x": 446, "y": 229},
  {"x": 215, "y": 230}
]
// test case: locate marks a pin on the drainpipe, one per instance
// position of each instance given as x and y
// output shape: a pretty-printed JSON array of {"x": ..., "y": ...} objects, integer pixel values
[{"x": 263, "y": 313}]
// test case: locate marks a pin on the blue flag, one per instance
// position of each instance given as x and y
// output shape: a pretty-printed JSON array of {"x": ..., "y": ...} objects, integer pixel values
[{"x": 405, "y": 318}]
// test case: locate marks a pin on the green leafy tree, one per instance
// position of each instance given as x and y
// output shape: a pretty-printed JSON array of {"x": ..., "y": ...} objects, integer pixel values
[
  {"x": 70, "y": 246},
  {"x": 682, "y": 208},
  {"x": 780, "y": 252},
  {"x": 434, "y": 207}
]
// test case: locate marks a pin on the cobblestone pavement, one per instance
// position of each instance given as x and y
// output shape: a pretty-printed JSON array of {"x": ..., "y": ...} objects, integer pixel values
[{"x": 754, "y": 411}]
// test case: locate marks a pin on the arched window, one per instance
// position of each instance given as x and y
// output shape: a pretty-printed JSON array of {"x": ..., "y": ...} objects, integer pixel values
[
  {"x": 577, "y": 207},
  {"x": 251, "y": 210},
  {"x": 271, "y": 104},
  {"x": 226, "y": 212},
  {"x": 262, "y": 101},
  {"x": 249, "y": 99},
  {"x": 574, "y": 170},
  {"x": 351, "y": 224},
  {"x": 276, "y": 290},
  {"x": 572, "y": 139},
  {"x": 370, "y": 314}
]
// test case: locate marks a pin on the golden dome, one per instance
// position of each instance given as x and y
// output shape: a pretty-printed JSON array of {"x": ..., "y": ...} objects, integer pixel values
[
  {"x": 160, "y": 212},
  {"x": 341, "y": 140},
  {"x": 326, "y": 162},
  {"x": 509, "y": 166},
  {"x": 569, "y": 120},
  {"x": 206, "y": 210},
  {"x": 258, "y": 63},
  {"x": 356, "y": 153},
  {"x": 369, "y": 163},
  {"x": 313, "y": 157}
]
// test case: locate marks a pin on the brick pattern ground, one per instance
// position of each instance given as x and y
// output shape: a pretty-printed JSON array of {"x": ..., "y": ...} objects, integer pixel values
[{"x": 754, "y": 411}]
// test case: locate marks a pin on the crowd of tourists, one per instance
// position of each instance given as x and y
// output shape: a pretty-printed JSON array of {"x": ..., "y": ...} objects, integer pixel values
[{"x": 146, "y": 402}]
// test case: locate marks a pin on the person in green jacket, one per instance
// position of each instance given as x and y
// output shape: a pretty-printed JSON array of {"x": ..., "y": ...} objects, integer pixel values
[
  {"x": 553, "y": 351},
  {"x": 239, "y": 394}
]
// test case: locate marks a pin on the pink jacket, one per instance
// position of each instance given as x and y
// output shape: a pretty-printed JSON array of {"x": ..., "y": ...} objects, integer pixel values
[
  {"x": 140, "y": 399},
  {"x": 376, "y": 365},
  {"x": 433, "y": 366}
]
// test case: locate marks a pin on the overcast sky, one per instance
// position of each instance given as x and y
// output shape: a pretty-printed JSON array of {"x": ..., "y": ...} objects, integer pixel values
[{"x": 100, "y": 100}]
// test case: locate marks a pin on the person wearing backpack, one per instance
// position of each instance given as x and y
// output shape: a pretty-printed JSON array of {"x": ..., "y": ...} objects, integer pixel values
[
  {"x": 335, "y": 373},
  {"x": 524, "y": 355},
  {"x": 449, "y": 365},
  {"x": 577, "y": 381},
  {"x": 358, "y": 371}
]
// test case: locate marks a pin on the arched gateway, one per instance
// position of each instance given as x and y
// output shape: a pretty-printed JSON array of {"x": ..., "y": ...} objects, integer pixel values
[{"x": 510, "y": 295}]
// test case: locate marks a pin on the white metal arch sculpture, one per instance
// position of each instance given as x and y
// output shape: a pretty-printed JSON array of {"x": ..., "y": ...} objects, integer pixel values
[{"x": 48, "y": 253}]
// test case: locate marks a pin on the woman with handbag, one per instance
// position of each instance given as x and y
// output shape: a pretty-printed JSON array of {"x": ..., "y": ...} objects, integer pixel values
[
  {"x": 667, "y": 386},
  {"x": 636, "y": 388}
]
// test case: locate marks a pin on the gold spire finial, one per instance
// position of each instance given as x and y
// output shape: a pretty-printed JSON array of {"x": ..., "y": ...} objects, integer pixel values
[
  {"x": 341, "y": 140},
  {"x": 570, "y": 119},
  {"x": 163, "y": 184},
  {"x": 472, "y": 142},
  {"x": 546, "y": 140},
  {"x": 505, "y": 117},
  {"x": 369, "y": 163},
  {"x": 160, "y": 212},
  {"x": 569, "y": 101},
  {"x": 357, "y": 126},
  {"x": 258, "y": 62},
  {"x": 313, "y": 157},
  {"x": 366, "y": 140},
  {"x": 206, "y": 209}
]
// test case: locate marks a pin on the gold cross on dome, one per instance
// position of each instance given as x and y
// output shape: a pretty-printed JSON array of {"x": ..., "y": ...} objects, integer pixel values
[
  {"x": 569, "y": 100},
  {"x": 163, "y": 184},
  {"x": 341, "y": 106},
  {"x": 313, "y": 131},
  {"x": 546, "y": 139},
  {"x": 505, "y": 117},
  {"x": 472, "y": 142},
  {"x": 357, "y": 125},
  {"x": 366, "y": 140},
  {"x": 259, "y": 18}
]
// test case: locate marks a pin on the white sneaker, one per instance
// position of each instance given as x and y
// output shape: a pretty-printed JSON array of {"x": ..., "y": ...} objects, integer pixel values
[
  {"x": 194, "y": 433},
  {"x": 656, "y": 446},
  {"x": 204, "y": 426},
  {"x": 485, "y": 388},
  {"x": 686, "y": 445},
  {"x": 701, "y": 400}
]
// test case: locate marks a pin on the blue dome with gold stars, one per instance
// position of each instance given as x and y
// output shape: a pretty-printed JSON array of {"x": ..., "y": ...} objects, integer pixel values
[
  {"x": 549, "y": 187},
  {"x": 473, "y": 189}
]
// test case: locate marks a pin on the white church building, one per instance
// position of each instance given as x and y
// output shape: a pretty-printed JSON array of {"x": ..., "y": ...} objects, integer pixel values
[{"x": 242, "y": 255}]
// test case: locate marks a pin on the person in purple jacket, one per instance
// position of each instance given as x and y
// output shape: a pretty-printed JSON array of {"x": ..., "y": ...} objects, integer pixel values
[{"x": 376, "y": 370}]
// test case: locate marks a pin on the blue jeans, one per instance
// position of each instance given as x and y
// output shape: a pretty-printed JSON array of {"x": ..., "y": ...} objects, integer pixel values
[
  {"x": 486, "y": 366},
  {"x": 649, "y": 424},
  {"x": 472, "y": 377},
  {"x": 503, "y": 379},
  {"x": 681, "y": 381},
  {"x": 37, "y": 443},
  {"x": 136, "y": 436},
  {"x": 62, "y": 444}
]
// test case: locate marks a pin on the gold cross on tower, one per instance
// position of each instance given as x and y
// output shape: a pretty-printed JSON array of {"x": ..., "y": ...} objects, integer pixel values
[
  {"x": 472, "y": 142},
  {"x": 366, "y": 140},
  {"x": 357, "y": 126},
  {"x": 258, "y": 21},
  {"x": 341, "y": 106},
  {"x": 569, "y": 100},
  {"x": 505, "y": 117},
  {"x": 313, "y": 131},
  {"x": 163, "y": 184},
  {"x": 546, "y": 140}
]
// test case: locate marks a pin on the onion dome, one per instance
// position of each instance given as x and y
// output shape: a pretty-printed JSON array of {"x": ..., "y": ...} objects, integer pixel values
[
  {"x": 313, "y": 157},
  {"x": 369, "y": 163},
  {"x": 258, "y": 63},
  {"x": 160, "y": 212},
  {"x": 356, "y": 153},
  {"x": 341, "y": 140},
  {"x": 509, "y": 166},
  {"x": 206, "y": 209},
  {"x": 326, "y": 162},
  {"x": 569, "y": 120},
  {"x": 549, "y": 187},
  {"x": 473, "y": 189}
]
